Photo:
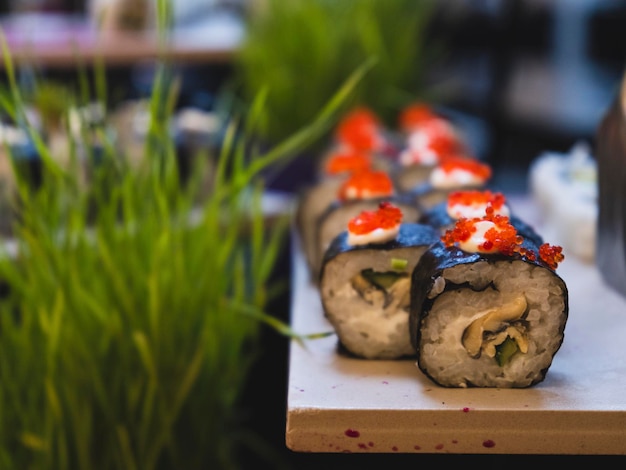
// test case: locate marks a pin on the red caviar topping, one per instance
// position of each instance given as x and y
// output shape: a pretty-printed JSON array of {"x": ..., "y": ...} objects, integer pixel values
[
  {"x": 482, "y": 170},
  {"x": 442, "y": 148},
  {"x": 502, "y": 237},
  {"x": 386, "y": 217},
  {"x": 551, "y": 255},
  {"x": 348, "y": 162},
  {"x": 359, "y": 130},
  {"x": 441, "y": 137},
  {"x": 414, "y": 115},
  {"x": 470, "y": 197},
  {"x": 366, "y": 184}
]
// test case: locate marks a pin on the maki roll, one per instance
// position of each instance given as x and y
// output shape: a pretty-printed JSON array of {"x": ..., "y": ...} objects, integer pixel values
[
  {"x": 473, "y": 203},
  {"x": 315, "y": 199},
  {"x": 454, "y": 173},
  {"x": 362, "y": 191},
  {"x": 487, "y": 307},
  {"x": 429, "y": 140},
  {"x": 365, "y": 282}
]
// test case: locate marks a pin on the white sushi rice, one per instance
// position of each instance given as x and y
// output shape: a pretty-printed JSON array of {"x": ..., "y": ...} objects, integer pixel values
[
  {"x": 369, "y": 330},
  {"x": 441, "y": 353}
]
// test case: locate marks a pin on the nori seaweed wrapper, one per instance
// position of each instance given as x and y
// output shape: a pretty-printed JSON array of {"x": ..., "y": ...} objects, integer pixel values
[{"x": 410, "y": 234}]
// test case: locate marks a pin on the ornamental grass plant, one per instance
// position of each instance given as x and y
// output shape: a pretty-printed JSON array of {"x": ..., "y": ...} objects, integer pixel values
[
  {"x": 303, "y": 49},
  {"x": 130, "y": 306}
]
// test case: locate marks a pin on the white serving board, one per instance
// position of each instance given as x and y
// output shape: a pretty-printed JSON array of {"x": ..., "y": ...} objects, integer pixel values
[{"x": 340, "y": 404}]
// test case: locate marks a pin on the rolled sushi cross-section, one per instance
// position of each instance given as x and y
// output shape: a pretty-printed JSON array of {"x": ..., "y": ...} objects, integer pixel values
[
  {"x": 487, "y": 307},
  {"x": 365, "y": 283}
]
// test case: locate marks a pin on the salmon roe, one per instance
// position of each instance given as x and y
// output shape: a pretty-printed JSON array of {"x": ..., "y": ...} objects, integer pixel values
[
  {"x": 359, "y": 130},
  {"x": 347, "y": 162},
  {"x": 470, "y": 197},
  {"x": 415, "y": 115},
  {"x": 366, "y": 184},
  {"x": 386, "y": 217},
  {"x": 441, "y": 137},
  {"x": 502, "y": 238},
  {"x": 442, "y": 147},
  {"x": 482, "y": 170},
  {"x": 551, "y": 255}
]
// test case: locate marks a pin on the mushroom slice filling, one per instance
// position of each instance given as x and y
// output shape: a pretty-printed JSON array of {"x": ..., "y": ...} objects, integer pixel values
[
  {"x": 492, "y": 327},
  {"x": 386, "y": 290}
]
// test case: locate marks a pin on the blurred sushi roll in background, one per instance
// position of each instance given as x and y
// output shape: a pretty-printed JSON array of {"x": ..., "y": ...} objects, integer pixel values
[
  {"x": 365, "y": 282},
  {"x": 315, "y": 199},
  {"x": 361, "y": 130},
  {"x": 487, "y": 307},
  {"x": 452, "y": 174},
  {"x": 565, "y": 187},
  {"x": 427, "y": 139},
  {"x": 359, "y": 143}
]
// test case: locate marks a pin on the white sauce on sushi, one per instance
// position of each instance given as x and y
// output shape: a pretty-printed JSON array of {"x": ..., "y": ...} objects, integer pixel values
[
  {"x": 476, "y": 209},
  {"x": 418, "y": 156},
  {"x": 379, "y": 235},
  {"x": 351, "y": 193},
  {"x": 458, "y": 177},
  {"x": 477, "y": 239},
  {"x": 379, "y": 226}
]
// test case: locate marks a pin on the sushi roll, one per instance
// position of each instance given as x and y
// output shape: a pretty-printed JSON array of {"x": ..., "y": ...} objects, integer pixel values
[
  {"x": 430, "y": 139},
  {"x": 315, "y": 199},
  {"x": 362, "y": 191},
  {"x": 473, "y": 203},
  {"x": 361, "y": 130},
  {"x": 459, "y": 172},
  {"x": 487, "y": 307},
  {"x": 365, "y": 282}
]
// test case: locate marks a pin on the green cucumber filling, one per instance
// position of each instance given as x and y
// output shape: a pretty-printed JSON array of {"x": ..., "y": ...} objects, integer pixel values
[
  {"x": 388, "y": 290},
  {"x": 383, "y": 280},
  {"x": 498, "y": 332},
  {"x": 505, "y": 351},
  {"x": 398, "y": 264}
]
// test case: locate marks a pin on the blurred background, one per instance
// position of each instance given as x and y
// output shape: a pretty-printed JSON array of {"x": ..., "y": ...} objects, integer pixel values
[
  {"x": 520, "y": 77},
  {"x": 524, "y": 76}
]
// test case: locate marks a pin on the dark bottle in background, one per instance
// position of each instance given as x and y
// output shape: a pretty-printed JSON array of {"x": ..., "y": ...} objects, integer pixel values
[{"x": 611, "y": 161}]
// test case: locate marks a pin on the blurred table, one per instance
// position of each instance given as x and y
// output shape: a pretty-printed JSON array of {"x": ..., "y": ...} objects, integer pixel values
[{"x": 61, "y": 41}]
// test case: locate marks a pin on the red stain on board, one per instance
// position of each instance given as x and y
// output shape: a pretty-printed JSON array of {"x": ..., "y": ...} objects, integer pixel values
[
  {"x": 489, "y": 443},
  {"x": 371, "y": 444},
  {"x": 466, "y": 409},
  {"x": 416, "y": 447},
  {"x": 454, "y": 441},
  {"x": 394, "y": 448},
  {"x": 362, "y": 445},
  {"x": 352, "y": 433},
  {"x": 439, "y": 446}
]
